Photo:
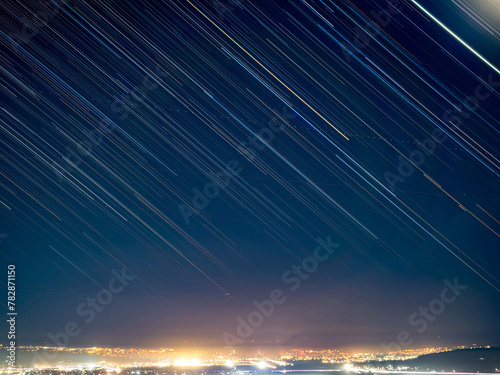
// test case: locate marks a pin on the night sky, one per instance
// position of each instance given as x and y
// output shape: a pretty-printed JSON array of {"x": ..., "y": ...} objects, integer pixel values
[{"x": 178, "y": 162}]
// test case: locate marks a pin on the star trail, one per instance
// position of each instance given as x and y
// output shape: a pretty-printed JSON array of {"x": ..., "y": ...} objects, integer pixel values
[{"x": 204, "y": 148}]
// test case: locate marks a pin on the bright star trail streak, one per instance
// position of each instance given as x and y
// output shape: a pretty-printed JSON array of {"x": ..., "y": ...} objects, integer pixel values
[{"x": 456, "y": 37}]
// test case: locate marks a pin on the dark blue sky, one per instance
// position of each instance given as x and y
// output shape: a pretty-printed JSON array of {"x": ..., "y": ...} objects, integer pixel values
[{"x": 207, "y": 146}]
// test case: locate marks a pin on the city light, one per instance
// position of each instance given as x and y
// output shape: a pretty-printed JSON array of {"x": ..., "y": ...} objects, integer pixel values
[
  {"x": 183, "y": 362},
  {"x": 262, "y": 365},
  {"x": 348, "y": 366}
]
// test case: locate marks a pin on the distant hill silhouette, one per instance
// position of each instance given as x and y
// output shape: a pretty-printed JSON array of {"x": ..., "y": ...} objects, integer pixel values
[{"x": 461, "y": 360}]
